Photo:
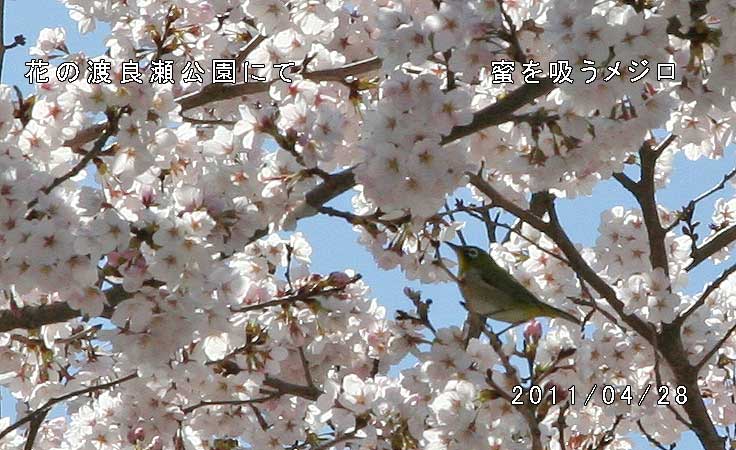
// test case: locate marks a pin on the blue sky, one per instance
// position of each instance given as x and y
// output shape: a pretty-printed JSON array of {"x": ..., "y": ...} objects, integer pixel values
[{"x": 335, "y": 243}]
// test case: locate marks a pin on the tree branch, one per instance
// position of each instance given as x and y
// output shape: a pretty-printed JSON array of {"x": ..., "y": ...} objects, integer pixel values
[
  {"x": 648, "y": 202},
  {"x": 704, "y": 296},
  {"x": 718, "y": 242},
  {"x": 298, "y": 297},
  {"x": 217, "y": 92},
  {"x": 2, "y": 36},
  {"x": 46, "y": 407},
  {"x": 554, "y": 230},
  {"x": 110, "y": 129},
  {"x": 715, "y": 348},
  {"x": 284, "y": 387},
  {"x": 644, "y": 191},
  {"x": 252, "y": 45},
  {"x": 251, "y": 401},
  {"x": 33, "y": 428},
  {"x": 502, "y": 110},
  {"x": 30, "y": 317},
  {"x": 526, "y": 409},
  {"x": 685, "y": 374}
]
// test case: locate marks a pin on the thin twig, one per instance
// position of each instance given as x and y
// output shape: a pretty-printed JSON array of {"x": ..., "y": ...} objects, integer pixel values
[
  {"x": 89, "y": 156},
  {"x": 704, "y": 296},
  {"x": 715, "y": 348},
  {"x": 452, "y": 217},
  {"x": 252, "y": 45},
  {"x": 718, "y": 242},
  {"x": 560, "y": 425},
  {"x": 299, "y": 297},
  {"x": 649, "y": 437},
  {"x": 305, "y": 367},
  {"x": 44, "y": 409},
  {"x": 251, "y": 401},
  {"x": 2, "y": 36},
  {"x": 512, "y": 38},
  {"x": 715, "y": 188}
]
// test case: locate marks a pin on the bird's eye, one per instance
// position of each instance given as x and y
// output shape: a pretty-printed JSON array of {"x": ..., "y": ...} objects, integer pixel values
[{"x": 472, "y": 253}]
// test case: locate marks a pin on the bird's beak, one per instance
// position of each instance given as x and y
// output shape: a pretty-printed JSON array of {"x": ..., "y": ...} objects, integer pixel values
[{"x": 455, "y": 247}]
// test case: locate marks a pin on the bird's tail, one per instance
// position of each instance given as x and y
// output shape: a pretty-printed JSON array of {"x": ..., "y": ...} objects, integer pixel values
[{"x": 555, "y": 312}]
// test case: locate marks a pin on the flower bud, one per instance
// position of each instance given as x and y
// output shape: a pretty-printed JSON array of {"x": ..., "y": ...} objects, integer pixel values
[
  {"x": 136, "y": 435},
  {"x": 533, "y": 331},
  {"x": 339, "y": 279}
]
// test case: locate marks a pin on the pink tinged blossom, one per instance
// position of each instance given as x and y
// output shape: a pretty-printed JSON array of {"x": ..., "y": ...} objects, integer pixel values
[{"x": 533, "y": 331}]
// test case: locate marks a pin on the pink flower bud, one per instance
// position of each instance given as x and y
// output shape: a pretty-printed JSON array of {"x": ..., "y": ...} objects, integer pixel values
[
  {"x": 339, "y": 279},
  {"x": 533, "y": 331},
  {"x": 147, "y": 196},
  {"x": 114, "y": 259},
  {"x": 136, "y": 435}
]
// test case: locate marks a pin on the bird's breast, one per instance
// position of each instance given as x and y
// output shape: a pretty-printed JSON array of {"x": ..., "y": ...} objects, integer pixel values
[{"x": 481, "y": 297}]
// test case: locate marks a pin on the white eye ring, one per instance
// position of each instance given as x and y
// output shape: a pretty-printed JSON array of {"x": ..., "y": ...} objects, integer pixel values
[{"x": 473, "y": 253}]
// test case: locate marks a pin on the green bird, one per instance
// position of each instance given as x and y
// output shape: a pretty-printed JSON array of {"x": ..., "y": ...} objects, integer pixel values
[{"x": 490, "y": 291}]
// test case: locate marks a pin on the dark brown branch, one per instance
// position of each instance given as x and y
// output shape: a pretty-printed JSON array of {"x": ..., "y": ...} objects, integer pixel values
[
  {"x": 649, "y": 437},
  {"x": 298, "y": 297},
  {"x": 305, "y": 367},
  {"x": 251, "y": 401},
  {"x": 718, "y": 242},
  {"x": 685, "y": 374},
  {"x": 208, "y": 121},
  {"x": 33, "y": 429},
  {"x": 516, "y": 50},
  {"x": 608, "y": 435},
  {"x": 2, "y": 36},
  {"x": 685, "y": 214},
  {"x": 96, "y": 149},
  {"x": 338, "y": 439},
  {"x": 31, "y": 317},
  {"x": 217, "y": 92},
  {"x": 18, "y": 40},
  {"x": 340, "y": 73},
  {"x": 503, "y": 203},
  {"x": 648, "y": 202},
  {"x": 252, "y": 45},
  {"x": 715, "y": 188},
  {"x": 334, "y": 186},
  {"x": 625, "y": 181},
  {"x": 501, "y": 111},
  {"x": 644, "y": 191},
  {"x": 560, "y": 425},
  {"x": 580, "y": 266},
  {"x": 284, "y": 387}
]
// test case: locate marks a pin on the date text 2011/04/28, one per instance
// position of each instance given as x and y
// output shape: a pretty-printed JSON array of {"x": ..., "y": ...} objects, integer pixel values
[{"x": 607, "y": 394}]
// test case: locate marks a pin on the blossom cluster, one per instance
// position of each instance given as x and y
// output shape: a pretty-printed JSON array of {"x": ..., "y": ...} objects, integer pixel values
[{"x": 152, "y": 283}]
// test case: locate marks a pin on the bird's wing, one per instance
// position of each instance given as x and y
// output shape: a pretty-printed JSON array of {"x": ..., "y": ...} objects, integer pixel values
[{"x": 505, "y": 282}]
